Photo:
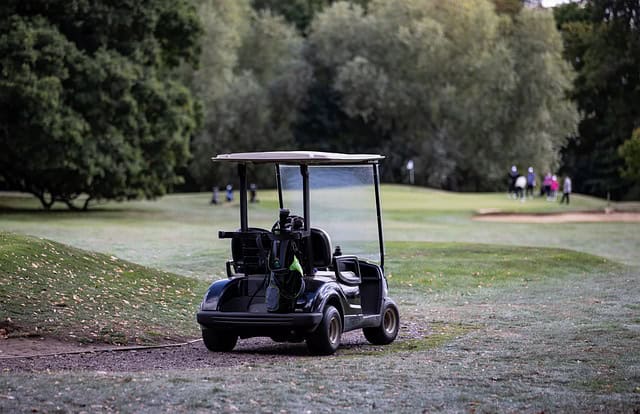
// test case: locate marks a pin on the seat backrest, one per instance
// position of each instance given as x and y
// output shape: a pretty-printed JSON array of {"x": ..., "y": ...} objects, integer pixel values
[
  {"x": 250, "y": 254},
  {"x": 320, "y": 248}
]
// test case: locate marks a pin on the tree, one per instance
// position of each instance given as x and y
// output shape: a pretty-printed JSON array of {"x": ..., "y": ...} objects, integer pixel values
[
  {"x": 462, "y": 91},
  {"x": 630, "y": 152},
  {"x": 299, "y": 12},
  {"x": 602, "y": 40},
  {"x": 87, "y": 106},
  {"x": 510, "y": 7},
  {"x": 252, "y": 81}
]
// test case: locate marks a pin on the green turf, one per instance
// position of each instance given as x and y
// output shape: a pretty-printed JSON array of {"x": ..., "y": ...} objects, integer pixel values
[
  {"x": 50, "y": 288},
  {"x": 460, "y": 267},
  {"x": 573, "y": 323},
  {"x": 418, "y": 201},
  {"x": 53, "y": 289},
  {"x": 178, "y": 233}
]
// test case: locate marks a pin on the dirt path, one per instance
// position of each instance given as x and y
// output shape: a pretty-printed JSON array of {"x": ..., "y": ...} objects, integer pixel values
[
  {"x": 573, "y": 217},
  {"x": 45, "y": 354}
]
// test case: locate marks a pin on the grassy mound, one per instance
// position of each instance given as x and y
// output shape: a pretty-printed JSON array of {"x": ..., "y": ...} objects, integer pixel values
[
  {"x": 465, "y": 266},
  {"x": 48, "y": 288}
]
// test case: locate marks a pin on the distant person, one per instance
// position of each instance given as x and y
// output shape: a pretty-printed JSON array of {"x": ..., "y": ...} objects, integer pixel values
[
  {"x": 513, "y": 176},
  {"x": 215, "y": 193},
  {"x": 521, "y": 183},
  {"x": 546, "y": 186},
  {"x": 531, "y": 182},
  {"x": 566, "y": 190},
  {"x": 555, "y": 185},
  {"x": 253, "y": 193},
  {"x": 229, "y": 193}
]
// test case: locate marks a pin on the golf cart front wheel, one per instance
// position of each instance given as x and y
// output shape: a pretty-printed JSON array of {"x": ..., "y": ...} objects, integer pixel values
[
  {"x": 219, "y": 341},
  {"x": 325, "y": 340},
  {"x": 388, "y": 329}
]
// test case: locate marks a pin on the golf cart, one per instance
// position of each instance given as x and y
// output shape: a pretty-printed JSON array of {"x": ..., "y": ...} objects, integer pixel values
[{"x": 318, "y": 271}]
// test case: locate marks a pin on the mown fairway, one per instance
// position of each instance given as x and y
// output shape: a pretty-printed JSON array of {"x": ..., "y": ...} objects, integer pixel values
[
  {"x": 180, "y": 233},
  {"x": 505, "y": 323}
]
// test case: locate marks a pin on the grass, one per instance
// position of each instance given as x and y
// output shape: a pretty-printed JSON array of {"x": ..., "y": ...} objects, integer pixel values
[
  {"x": 409, "y": 202},
  {"x": 439, "y": 334},
  {"x": 439, "y": 267},
  {"x": 178, "y": 233},
  {"x": 47, "y": 288},
  {"x": 513, "y": 325}
]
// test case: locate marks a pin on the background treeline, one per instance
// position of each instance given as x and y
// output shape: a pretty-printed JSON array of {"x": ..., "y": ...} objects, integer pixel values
[
  {"x": 463, "y": 90},
  {"x": 132, "y": 99}
]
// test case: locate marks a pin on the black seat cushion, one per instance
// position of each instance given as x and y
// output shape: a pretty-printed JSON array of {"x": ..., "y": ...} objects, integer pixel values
[{"x": 320, "y": 248}]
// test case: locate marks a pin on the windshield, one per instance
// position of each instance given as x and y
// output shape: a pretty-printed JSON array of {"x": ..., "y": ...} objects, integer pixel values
[{"x": 342, "y": 203}]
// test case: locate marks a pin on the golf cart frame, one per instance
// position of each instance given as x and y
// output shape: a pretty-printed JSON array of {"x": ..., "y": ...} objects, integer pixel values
[{"x": 329, "y": 294}]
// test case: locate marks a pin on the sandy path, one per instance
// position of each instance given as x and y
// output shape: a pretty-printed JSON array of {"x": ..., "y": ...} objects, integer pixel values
[{"x": 574, "y": 217}]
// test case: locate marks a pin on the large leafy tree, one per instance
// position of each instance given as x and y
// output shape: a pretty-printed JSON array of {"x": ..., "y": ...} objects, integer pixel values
[
  {"x": 252, "y": 80},
  {"x": 300, "y": 12},
  {"x": 87, "y": 104},
  {"x": 602, "y": 39},
  {"x": 459, "y": 89},
  {"x": 630, "y": 152}
]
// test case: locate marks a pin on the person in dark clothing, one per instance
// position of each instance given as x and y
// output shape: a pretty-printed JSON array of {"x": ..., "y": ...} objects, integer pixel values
[
  {"x": 531, "y": 182},
  {"x": 253, "y": 193},
  {"x": 513, "y": 176},
  {"x": 229, "y": 193}
]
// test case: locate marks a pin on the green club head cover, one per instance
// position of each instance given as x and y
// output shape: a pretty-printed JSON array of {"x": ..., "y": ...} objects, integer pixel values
[{"x": 295, "y": 266}]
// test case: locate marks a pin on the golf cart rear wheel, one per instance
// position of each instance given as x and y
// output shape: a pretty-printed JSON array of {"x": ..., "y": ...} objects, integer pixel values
[
  {"x": 388, "y": 329},
  {"x": 325, "y": 340},
  {"x": 219, "y": 341}
]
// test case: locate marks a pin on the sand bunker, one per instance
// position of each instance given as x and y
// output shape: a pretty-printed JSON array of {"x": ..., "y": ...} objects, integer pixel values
[{"x": 572, "y": 217}]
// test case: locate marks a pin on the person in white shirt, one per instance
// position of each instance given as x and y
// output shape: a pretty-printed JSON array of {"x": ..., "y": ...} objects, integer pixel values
[{"x": 566, "y": 189}]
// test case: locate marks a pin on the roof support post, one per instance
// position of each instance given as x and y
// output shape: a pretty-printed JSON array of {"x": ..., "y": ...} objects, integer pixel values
[
  {"x": 306, "y": 206},
  {"x": 376, "y": 185},
  {"x": 242, "y": 174},
  {"x": 304, "y": 171},
  {"x": 279, "y": 185}
]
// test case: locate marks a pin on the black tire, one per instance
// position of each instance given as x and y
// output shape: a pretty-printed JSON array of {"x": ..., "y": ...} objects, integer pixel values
[
  {"x": 325, "y": 340},
  {"x": 219, "y": 341},
  {"x": 388, "y": 329}
]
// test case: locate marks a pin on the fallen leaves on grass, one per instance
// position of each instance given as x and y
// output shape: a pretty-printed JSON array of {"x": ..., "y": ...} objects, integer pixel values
[{"x": 68, "y": 286}]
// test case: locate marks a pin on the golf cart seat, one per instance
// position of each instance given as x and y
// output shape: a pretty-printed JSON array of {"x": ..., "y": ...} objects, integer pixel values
[
  {"x": 249, "y": 251},
  {"x": 320, "y": 249}
]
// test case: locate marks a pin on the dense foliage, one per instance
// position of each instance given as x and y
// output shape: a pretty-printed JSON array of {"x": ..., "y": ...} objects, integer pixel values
[
  {"x": 630, "y": 152},
  {"x": 252, "y": 79},
  {"x": 602, "y": 39},
  {"x": 462, "y": 91},
  {"x": 87, "y": 106},
  {"x": 93, "y": 102}
]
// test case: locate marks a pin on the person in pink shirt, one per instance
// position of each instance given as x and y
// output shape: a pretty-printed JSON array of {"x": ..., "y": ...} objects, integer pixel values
[
  {"x": 546, "y": 186},
  {"x": 554, "y": 188}
]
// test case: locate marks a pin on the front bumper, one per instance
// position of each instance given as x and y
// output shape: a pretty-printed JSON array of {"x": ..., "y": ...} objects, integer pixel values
[{"x": 248, "y": 320}]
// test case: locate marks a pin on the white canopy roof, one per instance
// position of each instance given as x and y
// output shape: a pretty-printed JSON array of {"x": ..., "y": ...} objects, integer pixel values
[{"x": 299, "y": 157}]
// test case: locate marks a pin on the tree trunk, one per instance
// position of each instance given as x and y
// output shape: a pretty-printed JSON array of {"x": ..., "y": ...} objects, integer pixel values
[{"x": 43, "y": 200}]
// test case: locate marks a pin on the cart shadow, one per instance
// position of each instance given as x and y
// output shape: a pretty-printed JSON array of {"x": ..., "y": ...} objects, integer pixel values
[{"x": 266, "y": 347}]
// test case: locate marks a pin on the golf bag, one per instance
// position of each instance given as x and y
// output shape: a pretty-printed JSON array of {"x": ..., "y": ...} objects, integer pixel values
[{"x": 286, "y": 282}]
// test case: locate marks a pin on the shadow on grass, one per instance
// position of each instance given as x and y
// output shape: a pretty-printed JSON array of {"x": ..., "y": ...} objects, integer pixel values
[{"x": 4, "y": 209}]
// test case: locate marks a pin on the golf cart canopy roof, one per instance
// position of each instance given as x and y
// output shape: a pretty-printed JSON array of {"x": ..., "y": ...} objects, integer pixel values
[{"x": 300, "y": 158}]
